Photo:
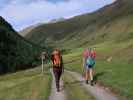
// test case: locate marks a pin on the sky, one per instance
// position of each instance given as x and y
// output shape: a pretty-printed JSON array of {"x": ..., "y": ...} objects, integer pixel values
[{"x": 23, "y": 13}]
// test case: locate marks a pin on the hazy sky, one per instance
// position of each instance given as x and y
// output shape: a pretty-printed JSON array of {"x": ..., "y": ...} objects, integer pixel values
[{"x": 22, "y": 13}]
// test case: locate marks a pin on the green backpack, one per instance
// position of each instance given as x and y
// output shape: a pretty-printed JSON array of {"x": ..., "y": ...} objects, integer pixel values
[{"x": 90, "y": 61}]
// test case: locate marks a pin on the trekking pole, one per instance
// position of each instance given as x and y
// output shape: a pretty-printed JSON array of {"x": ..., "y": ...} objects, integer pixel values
[
  {"x": 83, "y": 74},
  {"x": 43, "y": 57},
  {"x": 83, "y": 67},
  {"x": 42, "y": 65}
]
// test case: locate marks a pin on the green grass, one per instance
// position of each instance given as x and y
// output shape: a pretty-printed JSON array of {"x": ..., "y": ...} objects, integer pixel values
[
  {"x": 25, "y": 85},
  {"x": 74, "y": 89},
  {"x": 117, "y": 75}
]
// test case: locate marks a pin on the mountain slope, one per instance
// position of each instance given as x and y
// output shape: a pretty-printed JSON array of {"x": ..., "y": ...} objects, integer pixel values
[
  {"x": 108, "y": 23},
  {"x": 28, "y": 29},
  {"x": 15, "y": 52}
]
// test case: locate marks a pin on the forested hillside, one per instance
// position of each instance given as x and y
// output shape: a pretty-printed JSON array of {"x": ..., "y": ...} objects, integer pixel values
[{"x": 16, "y": 53}]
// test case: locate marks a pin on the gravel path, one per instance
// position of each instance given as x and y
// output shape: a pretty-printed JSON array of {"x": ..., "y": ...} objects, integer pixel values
[{"x": 98, "y": 92}]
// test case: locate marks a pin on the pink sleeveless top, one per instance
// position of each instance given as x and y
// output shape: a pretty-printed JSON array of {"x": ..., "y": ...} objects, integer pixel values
[{"x": 86, "y": 53}]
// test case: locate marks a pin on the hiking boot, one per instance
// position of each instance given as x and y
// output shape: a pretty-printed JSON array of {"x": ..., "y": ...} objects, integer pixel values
[
  {"x": 86, "y": 82},
  {"x": 92, "y": 83}
]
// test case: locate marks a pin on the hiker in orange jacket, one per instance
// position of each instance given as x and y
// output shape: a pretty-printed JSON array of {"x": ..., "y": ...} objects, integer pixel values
[{"x": 58, "y": 68}]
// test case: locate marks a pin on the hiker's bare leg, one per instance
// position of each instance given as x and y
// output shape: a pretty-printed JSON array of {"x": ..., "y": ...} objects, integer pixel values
[
  {"x": 91, "y": 74},
  {"x": 87, "y": 76}
]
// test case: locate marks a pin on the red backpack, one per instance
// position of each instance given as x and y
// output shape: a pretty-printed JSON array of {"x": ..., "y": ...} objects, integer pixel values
[{"x": 56, "y": 58}]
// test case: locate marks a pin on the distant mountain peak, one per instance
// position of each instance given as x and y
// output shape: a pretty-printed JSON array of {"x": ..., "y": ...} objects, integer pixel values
[{"x": 57, "y": 20}]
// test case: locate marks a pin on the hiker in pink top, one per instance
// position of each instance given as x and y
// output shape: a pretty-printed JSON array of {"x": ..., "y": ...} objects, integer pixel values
[
  {"x": 89, "y": 56},
  {"x": 86, "y": 53}
]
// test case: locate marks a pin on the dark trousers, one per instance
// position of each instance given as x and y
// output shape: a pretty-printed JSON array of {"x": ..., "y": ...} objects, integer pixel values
[{"x": 57, "y": 74}]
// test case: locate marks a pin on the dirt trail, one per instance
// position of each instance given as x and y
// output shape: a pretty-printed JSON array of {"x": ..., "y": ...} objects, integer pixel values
[
  {"x": 54, "y": 94},
  {"x": 98, "y": 92}
]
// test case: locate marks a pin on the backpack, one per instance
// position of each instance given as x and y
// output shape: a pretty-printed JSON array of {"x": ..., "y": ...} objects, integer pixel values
[
  {"x": 90, "y": 61},
  {"x": 56, "y": 60}
]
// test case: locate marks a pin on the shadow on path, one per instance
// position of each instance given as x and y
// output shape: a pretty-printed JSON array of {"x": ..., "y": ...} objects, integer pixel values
[
  {"x": 97, "y": 75},
  {"x": 73, "y": 82}
]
